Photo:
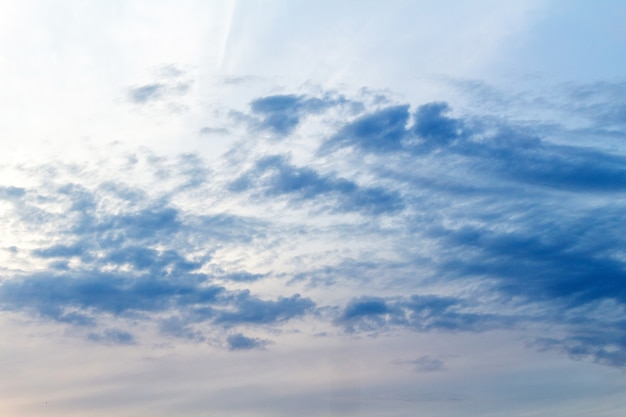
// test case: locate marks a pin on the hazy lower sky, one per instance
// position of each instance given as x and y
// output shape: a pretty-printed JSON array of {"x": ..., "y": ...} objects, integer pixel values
[{"x": 278, "y": 208}]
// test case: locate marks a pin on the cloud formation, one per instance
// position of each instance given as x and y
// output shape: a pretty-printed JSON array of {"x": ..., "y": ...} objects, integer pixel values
[
  {"x": 380, "y": 131},
  {"x": 275, "y": 176},
  {"x": 145, "y": 93},
  {"x": 240, "y": 342},
  {"x": 419, "y": 313},
  {"x": 282, "y": 113},
  {"x": 484, "y": 223}
]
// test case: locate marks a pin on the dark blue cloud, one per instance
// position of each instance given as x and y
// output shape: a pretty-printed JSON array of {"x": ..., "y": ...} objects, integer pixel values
[
  {"x": 363, "y": 307},
  {"x": 80, "y": 298},
  {"x": 419, "y": 313},
  {"x": 365, "y": 314},
  {"x": 432, "y": 125},
  {"x": 519, "y": 153},
  {"x": 281, "y": 114},
  {"x": 135, "y": 262},
  {"x": 489, "y": 146},
  {"x": 130, "y": 237},
  {"x": 146, "y": 223},
  {"x": 519, "y": 157},
  {"x": 139, "y": 257},
  {"x": 516, "y": 157},
  {"x": 302, "y": 183},
  {"x": 240, "y": 342},
  {"x": 60, "y": 251},
  {"x": 537, "y": 265},
  {"x": 570, "y": 168},
  {"x": 560, "y": 260},
  {"x": 124, "y": 239},
  {"x": 103, "y": 292},
  {"x": 381, "y": 131}
]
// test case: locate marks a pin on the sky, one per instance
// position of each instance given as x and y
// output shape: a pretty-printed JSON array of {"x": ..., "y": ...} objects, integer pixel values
[{"x": 270, "y": 208}]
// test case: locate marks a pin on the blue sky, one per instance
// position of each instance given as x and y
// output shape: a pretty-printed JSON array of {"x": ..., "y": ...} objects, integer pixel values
[{"x": 268, "y": 208}]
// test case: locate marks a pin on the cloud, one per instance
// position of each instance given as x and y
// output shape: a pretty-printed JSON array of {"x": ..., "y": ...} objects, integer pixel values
[
  {"x": 276, "y": 177},
  {"x": 59, "y": 251},
  {"x": 147, "y": 223},
  {"x": 486, "y": 144},
  {"x": 101, "y": 292},
  {"x": 513, "y": 225},
  {"x": 595, "y": 330},
  {"x": 252, "y": 310},
  {"x": 141, "y": 258},
  {"x": 540, "y": 266},
  {"x": 80, "y": 299},
  {"x": 381, "y": 131},
  {"x": 432, "y": 125},
  {"x": 533, "y": 161},
  {"x": 364, "y": 307},
  {"x": 115, "y": 251},
  {"x": 146, "y": 93},
  {"x": 420, "y": 224},
  {"x": 169, "y": 85},
  {"x": 419, "y": 313},
  {"x": 112, "y": 337},
  {"x": 11, "y": 193},
  {"x": 244, "y": 277},
  {"x": 366, "y": 270},
  {"x": 282, "y": 113},
  {"x": 240, "y": 342},
  {"x": 179, "y": 327}
]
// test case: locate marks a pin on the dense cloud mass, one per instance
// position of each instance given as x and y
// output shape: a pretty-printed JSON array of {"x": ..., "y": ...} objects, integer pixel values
[{"x": 476, "y": 223}]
